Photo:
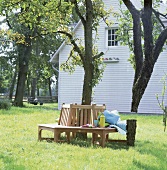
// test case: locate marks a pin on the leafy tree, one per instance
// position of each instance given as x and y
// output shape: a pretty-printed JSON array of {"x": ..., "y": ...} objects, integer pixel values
[
  {"x": 54, "y": 18},
  {"x": 148, "y": 42},
  {"x": 6, "y": 63},
  {"x": 24, "y": 26},
  {"x": 40, "y": 69},
  {"x": 87, "y": 55}
]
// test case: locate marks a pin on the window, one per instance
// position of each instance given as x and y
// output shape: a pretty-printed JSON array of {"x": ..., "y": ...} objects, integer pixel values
[{"x": 112, "y": 37}]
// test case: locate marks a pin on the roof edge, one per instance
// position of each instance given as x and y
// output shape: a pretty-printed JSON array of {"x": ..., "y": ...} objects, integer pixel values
[{"x": 55, "y": 55}]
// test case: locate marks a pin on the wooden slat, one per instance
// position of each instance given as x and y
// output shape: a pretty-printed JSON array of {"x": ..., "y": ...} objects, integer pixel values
[
  {"x": 85, "y": 116},
  {"x": 96, "y": 109},
  {"x": 73, "y": 121},
  {"x": 89, "y": 115},
  {"x": 77, "y": 117},
  {"x": 81, "y": 117},
  {"x": 82, "y": 106}
]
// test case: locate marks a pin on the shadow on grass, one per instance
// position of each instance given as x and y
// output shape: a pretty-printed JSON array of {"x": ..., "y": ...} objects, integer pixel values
[
  {"x": 153, "y": 149},
  {"x": 86, "y": 143},
  {"x": 10, "y": 163},
  {"x": 47, "y": 106},
  {"x": 141, "y": 165}
]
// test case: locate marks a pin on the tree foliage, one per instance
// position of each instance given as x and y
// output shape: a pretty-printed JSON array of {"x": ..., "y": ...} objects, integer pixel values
[
  {"x": 23, "y": 20},
  {"x": 41, "y": 18}
]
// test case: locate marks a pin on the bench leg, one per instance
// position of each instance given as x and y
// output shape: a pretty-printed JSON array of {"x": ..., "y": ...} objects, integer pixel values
[
  {"x": 94, "y": 137},
  {"x": 39, "y": 134},
  {"x": 107, "y": 136},
  {"x": 103, "y": 139},
  {"x": 68, "y": 136},
  {"x": 56, "y": 135}
]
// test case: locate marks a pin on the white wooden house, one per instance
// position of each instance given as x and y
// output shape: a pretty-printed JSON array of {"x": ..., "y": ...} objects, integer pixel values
[{"x": 115, "y": 89}]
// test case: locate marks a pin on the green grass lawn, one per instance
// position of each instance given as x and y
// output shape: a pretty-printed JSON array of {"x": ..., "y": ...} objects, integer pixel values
[{"x": 20, "y": 150}]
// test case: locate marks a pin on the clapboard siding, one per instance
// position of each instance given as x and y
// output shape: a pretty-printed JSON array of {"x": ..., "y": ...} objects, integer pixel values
[
  {"x": 70, "y": 87},
  {"x": 115, "y": 88}
]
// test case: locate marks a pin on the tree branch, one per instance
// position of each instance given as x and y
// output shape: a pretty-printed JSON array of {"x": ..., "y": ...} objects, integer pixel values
[
  {"x": 78, "y": 12},
  {"x": 157, "y": 16},
  {"x": 148, "y": 29},
  {"x": 98, "y": 55},
  {"x": 76, "y": 48},
  {"x": 131, "y": 7},
  {"x": 138, "y": 52},
  {"x": 159, "y": 44}
]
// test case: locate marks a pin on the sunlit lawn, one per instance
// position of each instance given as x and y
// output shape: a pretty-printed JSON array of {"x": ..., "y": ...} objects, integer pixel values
[{"x": 20, "y": 150}]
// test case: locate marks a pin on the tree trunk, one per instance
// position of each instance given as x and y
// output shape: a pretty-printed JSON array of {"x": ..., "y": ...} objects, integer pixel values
[
  {"x": 38, "y": 91},
  {"x": 24, "y": 56},
  {"x": 140, "y": 86},
  {"x": 28, "y": 87},
  {"x": 50, "y": 89},
  {"x": 131, "y": 132},
  {"x": 33, "y": 87},
  {"x": 49, "y": 86},
  {"x": 57, "y": 86},
  {"x": 88, "y": 57},
  {"x": 12, "y": 84},
  {"x": 88, "y": 66},
  {"x": 87, "y": 88}
]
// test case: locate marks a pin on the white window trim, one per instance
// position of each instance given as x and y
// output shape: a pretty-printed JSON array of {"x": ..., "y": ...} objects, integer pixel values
[{"x": 106, "y": 33}]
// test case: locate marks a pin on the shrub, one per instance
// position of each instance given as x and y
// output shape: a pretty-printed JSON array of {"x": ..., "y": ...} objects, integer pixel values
[{"x": 5, "y": 104}]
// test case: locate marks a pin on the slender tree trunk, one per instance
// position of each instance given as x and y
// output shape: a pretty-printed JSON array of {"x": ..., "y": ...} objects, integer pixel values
[
  {"x": 33, "y": 87},
  {"x": 49, "y": 86},
  {"x": 24, "y": 56},
  {"x": 28, "y": 87},
  {"x": 50, "y": 89},
  {"x": 34, "y": 80},
  {"x": 57, "y": 87},
  {"x": 13, "y": 84},
  {"x": 37, "y": 91}
]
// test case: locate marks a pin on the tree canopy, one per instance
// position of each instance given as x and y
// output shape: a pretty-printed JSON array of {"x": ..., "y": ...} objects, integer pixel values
[{"x": 34, "y": 19}]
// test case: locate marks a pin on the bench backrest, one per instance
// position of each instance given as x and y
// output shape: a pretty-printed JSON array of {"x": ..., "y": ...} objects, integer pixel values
[
  {"x": 81, "y": 114},
  {"x": 65, "y": 117},
  {"x": 78, "y": 115}
]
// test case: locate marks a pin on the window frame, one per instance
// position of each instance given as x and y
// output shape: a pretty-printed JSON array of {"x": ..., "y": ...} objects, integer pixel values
[{"x": 113, "y": 41}]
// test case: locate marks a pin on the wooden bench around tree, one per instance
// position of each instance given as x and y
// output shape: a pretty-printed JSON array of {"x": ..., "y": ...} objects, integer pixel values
[{"x": 73, "y": 116}]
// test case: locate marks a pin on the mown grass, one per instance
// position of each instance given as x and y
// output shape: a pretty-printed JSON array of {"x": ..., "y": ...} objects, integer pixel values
[{"x": 20, "y": 150}]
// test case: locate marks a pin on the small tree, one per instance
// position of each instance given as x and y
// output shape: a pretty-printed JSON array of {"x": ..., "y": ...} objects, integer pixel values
[{"x": 161, "y": 103}]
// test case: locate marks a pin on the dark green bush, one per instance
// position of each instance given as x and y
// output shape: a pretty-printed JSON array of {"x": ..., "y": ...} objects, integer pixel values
[{"x": 5, "y": 104}]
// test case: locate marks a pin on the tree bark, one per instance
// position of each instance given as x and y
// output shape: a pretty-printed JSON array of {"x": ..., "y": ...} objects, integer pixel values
[
  {"x": 144, "y": 61},
  {"x": 33, "y": 87},
  {"x": 24, "y": 56},
  {"x": 141, "y": 80},
  {"x": 50, "y": 89},
  {"x": 13, "y": 84},
  {"x": 87, "y": 63},
  {"x": 140, "y": 86},
  {"x": 131, "y": 132}
]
